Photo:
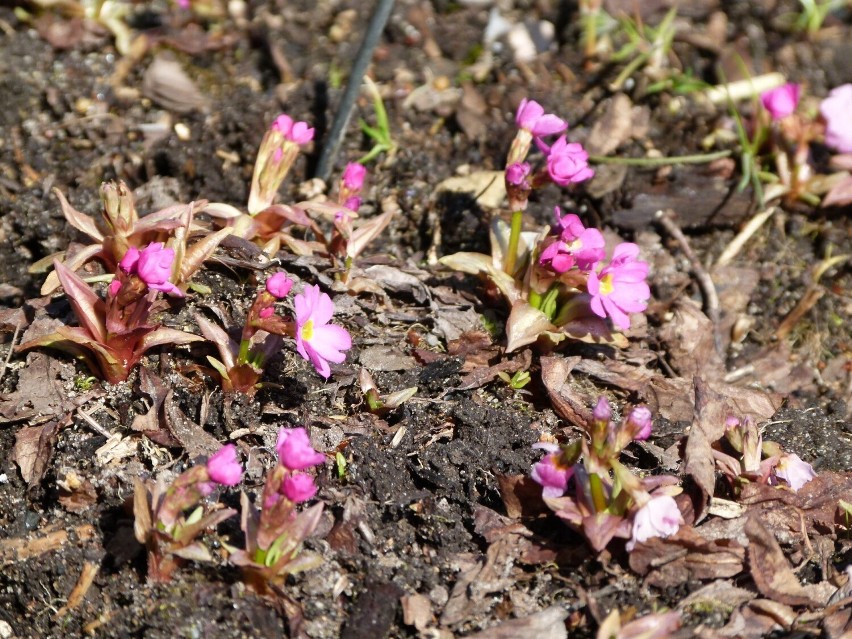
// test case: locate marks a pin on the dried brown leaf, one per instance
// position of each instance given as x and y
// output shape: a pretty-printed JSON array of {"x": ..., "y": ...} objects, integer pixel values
[
  {"x": 773, "y": 575},
  {"x": 708, "y": 425},
  {"x": 32, "y": 450},
  {"x": 547, "y": 624},
  {"x": 568, "y": 403}
]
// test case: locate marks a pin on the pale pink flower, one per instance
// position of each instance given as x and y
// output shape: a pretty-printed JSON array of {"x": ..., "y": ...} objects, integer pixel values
[
  {"x": 298, "y": 487},
  {"x": 577, "y": 245},
  {"x": 316, "y": 339},
  {"x": 548, "y": 472},
  {"x": 793, "y": 470},
  {"x": 297, "y": 132},
  {"x": 531, "y": 117},
  {"x": 295, "y": 451},
  {"x": 224, "y": 468},
  {"x": 567, "y": 163},
  {"x": 781, "y": 101},
  {"x": 836, "y": 110},
  {"x": 279, "y": 285},
  {"x": 640, "y": 421},
  {"x": 620, "y": 288},
  {"x": 353, "y": 176},
  {"x": 659, "y": 517},
  {"x": 152, "y": 265}
]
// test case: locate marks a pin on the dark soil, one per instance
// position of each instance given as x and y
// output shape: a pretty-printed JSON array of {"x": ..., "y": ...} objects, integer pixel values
[{"x": 406, "y": 516}]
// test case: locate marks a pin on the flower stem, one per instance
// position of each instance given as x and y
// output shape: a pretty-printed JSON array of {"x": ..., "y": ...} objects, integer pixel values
[
  {"x": 598, "y": 497},
  {"x": 699, "y": 158},
  {"x": 514, "y": 240},
  {"x": 243, "y": 357}
]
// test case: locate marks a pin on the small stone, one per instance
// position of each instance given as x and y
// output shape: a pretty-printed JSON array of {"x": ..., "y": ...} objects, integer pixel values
[{"x": 6, "y": 631}]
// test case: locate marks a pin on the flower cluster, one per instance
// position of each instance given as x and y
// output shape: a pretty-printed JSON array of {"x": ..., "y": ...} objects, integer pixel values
[
  {"x": 275, "y": 532},
  {"x": 115, "y": 333},
  {"x": 743, "y": 457},
  {"x": 786, "y": 135},
  {"x": 556, "y": 283},
  {"x": 585, "y": 484}
]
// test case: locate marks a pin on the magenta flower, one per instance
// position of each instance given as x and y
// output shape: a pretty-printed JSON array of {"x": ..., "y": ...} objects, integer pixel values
[
  {"x": 781, "y": 101},
  {"x": 793, "y": 470},
  {"x": 113, "y": 288},
  {"x": 298, "y": 487},
  {"x": 640, "y": 421},
  {"x": 552, "y": 477},
  {"x": 353, "y": 176},
  {"x": 620, "y": 288},
  {"x": 517, "y": 173},
  {"x": 279, "y": 285},
  {"x": 152, "y": 265},
  {"x": 316, "y": 339},
  {"x": 295, "y": 451},
  {"x": 224, "y": 468},
  {"x": 577, "y": 245},
  {"x": 659, "y": 517},
  {"x": 297, "y": 132},
  {"x": 835, "y": 110},
  {"x": 531, "y": 117},
  {"x": 568, "y": 163}
]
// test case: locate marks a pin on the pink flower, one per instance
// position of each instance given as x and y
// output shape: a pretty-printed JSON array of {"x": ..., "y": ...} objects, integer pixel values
[
  {"x": 602, "y": 411},
  {"x": 152, "y": 265},
  {"x": 279, "y": 285},
  {"x": 353, "y": 176},
  {"x": 577, "y": 245},
  {"x": 781, "y": 101},
  {"x": 223, "y": 467},
  {"x": 295, "y": 450},
  {"x": 640, "y": 421},
  {"x": 297, "y": 132},
  {"x": 531, "y": 116},
  {"x": 659, "y": 517},
  {"x": 549, "y": 473},
  {"x": 568, "y": 163},
  {"x": 835, "y": 110},
  {"x": 298, "y": 487},
  {"x": 517, "y": 173},
  {"x": 620, "y": 288},
  {"x": 316, "y": 339},
  {"x": 793, "y": 470},
  {"x": 113, "y": 288}
]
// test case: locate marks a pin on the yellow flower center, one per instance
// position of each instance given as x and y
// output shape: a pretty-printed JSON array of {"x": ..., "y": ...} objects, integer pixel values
[
  {"x": 606, "y": 284},
  {"x": 308, "y": 330}
]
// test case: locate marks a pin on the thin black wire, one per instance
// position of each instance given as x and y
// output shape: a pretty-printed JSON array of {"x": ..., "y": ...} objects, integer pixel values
[{"x": 344, "y": 111}]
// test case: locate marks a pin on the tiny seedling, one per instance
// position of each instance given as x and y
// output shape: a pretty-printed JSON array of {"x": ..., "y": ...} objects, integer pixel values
[{"x": 379, "y": 134}]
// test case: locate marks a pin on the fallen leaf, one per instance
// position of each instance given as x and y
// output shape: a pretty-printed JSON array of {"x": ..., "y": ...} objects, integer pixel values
[
  {"x": 33, "y": 448},
  {"x": 195, "y": 440},
  {"x": 773, "y": 575},
  {"x": 547, "y": 624},
  {"x": 569, "y": 403},
  {"x": 708, "y": 426}
]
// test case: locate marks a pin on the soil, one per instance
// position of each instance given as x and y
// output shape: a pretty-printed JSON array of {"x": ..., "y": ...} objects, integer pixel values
[{"x": 414, "y": 510}]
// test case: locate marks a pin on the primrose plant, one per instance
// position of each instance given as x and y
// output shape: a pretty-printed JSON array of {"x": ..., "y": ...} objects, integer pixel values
[
  {"x": 744, "y": 457},
  {"x": 271, "y": 224},
  {"x": 120, "y": 227},
  {"x": 241, "y": 363},
  {"x": 276, "y": 530},
  {"x": 115, "y": 332},
  {"x": 556, "y": 282},
  {"x": 584, "y": 483},
  {"x": 162, "y": 525}
]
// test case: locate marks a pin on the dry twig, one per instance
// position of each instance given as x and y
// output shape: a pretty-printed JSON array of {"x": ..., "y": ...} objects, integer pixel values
[{"x": 705, "y": 282}]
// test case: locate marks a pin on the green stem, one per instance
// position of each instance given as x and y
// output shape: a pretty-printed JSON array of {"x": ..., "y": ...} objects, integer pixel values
[
  {"x": 598, "y": 496},
  {"x": 699, "y": 158},
  {"x": 242, "y": 358},
  {"x": 534, "y": 299},
  {"x": 514, "y": 240},
  {"x": 548, "y": 304}
]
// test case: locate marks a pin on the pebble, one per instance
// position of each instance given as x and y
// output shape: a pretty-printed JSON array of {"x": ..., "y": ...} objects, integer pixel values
[{"x": 6, "y": 631}]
